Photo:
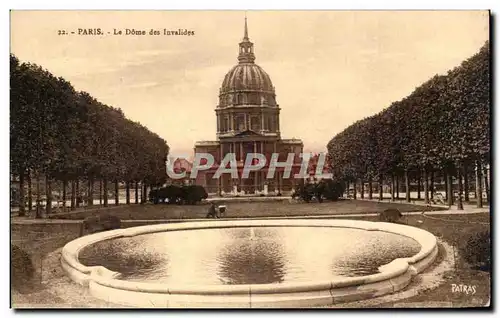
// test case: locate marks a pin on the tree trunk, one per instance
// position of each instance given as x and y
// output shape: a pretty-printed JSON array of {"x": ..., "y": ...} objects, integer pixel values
[
  {"x": 466, "y": 183},
  {"x": 445, "y": 177},
  {"x": 355, "y": 193},
  {"x": 64, "y": 194},
  {"x": 105, "y": 189},
  {"x": 426, "y": 187},
  {"x": 90, "y": 190},
  {"x": 370, "y": 188},
  {"x": 449, "y": 188},
  {"x": 38, "y": 212},
  {"x": 30, "y": 195},
  {"x": 48, "y": 193},
  {"x": 486, "y": 184},
  {"x": 380, "y": 188},
  {"x": 22, "y": 201},
  {"x": 432, "y": 185},
  {"x": 407, "y": 186},
  {"x": 144, "y": 193},
  {"x": 73, "y": 195},
  {"x": 136, "y": 192},
  {"x": 460, "y": 190},
  {"x": 117, "y": 199},
  {"x": 393, "y": 188},
  {"x": 127, "y": 192},
  {"x": 397, "y": 186},
  {"x": 479, "y": 188},
  {"x": 362, "y": 188},
  {"x": 419, "y": 185},
  {"x": 77, "y": 186},
  {"x": 475, "y": 189},
  {"x": 100, "y": 191}
]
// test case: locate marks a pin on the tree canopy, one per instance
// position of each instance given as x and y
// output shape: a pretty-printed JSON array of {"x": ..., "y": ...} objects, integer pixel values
[
  {"x": 66, "y": 135},
  {"x": 444, "y": 122}
]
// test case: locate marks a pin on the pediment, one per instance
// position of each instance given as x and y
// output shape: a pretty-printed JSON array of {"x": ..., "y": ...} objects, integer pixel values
[{"x": 247, "y": 133}]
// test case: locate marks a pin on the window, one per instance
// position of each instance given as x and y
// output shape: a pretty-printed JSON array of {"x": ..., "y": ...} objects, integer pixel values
[
  {"x": 255, "y": 123},
  {"x": 240, "y": 122}
]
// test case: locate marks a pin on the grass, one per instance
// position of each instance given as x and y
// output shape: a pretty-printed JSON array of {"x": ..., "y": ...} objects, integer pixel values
[
  {"x": 453, "y": 229},
  {"x": 247, "y": 209}
]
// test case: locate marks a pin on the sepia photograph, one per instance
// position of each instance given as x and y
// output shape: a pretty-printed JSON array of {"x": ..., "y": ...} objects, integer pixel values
[{"x": 232, "y": 159}]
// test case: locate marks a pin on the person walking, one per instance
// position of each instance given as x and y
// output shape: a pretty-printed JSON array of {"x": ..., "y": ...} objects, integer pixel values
[{"x": 212, "y": 211}]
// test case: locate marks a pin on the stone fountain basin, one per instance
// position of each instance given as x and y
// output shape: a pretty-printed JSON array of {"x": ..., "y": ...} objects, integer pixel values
[{"x": 394, "y": 276}]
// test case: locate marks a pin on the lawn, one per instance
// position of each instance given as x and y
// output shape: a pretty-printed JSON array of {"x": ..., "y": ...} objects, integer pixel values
[{"x": 246, "y": 209}]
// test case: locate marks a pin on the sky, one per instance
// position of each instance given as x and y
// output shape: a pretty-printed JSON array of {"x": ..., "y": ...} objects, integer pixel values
[{"x": 329, "y": 68}]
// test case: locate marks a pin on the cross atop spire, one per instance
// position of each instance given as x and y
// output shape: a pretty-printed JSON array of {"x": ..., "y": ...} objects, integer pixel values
[{"x": 246, "y": 47}]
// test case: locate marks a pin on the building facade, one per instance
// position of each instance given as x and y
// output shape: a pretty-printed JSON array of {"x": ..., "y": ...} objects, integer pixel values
[{"x": 248, "y": 122}]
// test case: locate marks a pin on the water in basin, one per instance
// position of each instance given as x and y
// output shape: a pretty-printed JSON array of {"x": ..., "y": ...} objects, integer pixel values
[{"x": 249, "y": 255}]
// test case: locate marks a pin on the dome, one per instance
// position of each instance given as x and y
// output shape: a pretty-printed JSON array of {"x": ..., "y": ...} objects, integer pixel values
[
  {"x": 247, "y": 84},
  {"x": 247, "y": 77}
]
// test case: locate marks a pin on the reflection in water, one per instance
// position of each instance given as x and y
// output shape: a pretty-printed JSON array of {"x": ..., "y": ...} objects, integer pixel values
[
  {"x": 125, "y": 256},
  {"x": 245, "y": 255},
  {"x": 252, "y": 256},
  {"x": 365, "y": 262}
]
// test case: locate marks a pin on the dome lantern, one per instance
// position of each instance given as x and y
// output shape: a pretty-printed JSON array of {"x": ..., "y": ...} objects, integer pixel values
[{"x": 246, "y": 48}]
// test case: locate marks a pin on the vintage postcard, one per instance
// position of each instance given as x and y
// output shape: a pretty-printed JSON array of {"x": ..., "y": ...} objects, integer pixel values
[{"x": 250, "y": 159}]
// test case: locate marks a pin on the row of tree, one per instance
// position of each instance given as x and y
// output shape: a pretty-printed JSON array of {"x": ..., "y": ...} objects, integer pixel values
[
  {"x": 441, "y": 128},
  {"x": 69, "y": 136}
]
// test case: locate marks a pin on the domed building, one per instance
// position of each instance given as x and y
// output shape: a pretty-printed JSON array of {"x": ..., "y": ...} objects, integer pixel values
[{"x": 248, "y": 122}]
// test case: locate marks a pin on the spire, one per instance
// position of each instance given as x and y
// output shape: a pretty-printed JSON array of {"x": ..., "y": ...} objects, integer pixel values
[
  {"x": 245, "y": 36},
  {"x": 246, "y": 47}
]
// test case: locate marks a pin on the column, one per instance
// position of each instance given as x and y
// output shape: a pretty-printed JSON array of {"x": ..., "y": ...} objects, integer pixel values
[
  {"x": 220, "y": 185},
  {"x": 241, "y": 151},
  {"x": 265, "y": 186},
  {"x": 256, "y": 175},
  {"x": 255, "y": 180},
  {"x": 231, "y": 116},
  {"x": 279, "y": 182},
  {"x": 221, "y": 155},
  {"x": 262, "y": 120}
]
